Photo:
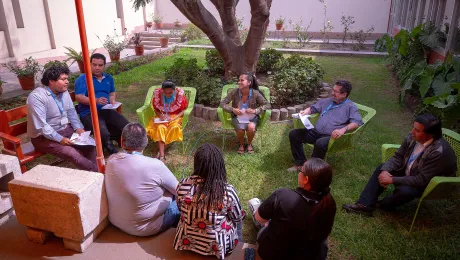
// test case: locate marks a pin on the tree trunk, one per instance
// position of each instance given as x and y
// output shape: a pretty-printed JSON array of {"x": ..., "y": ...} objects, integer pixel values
[{"x": 238, "y": 57}]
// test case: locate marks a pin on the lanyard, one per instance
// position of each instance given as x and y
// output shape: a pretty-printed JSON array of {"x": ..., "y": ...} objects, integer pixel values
[
  {"x": 170, "y": 100},
  {"x": 249, "y": 97},
  {"x": 332, "y": 107},
  {"x": 56, "y": 100},
  {"x": 136, "y": 152}
]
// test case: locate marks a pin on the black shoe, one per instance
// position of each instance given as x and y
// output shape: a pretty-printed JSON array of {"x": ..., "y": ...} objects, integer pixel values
[
  {"x": 111, "y": 149},
  {"x": 381, "y": 206},
  {"x": 358, "y": 209}
]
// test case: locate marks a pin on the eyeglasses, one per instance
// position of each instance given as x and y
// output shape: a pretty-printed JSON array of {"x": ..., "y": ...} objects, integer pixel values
[
  {"x": 63, "y": 79},
  {"x": 337, "y": 91}
]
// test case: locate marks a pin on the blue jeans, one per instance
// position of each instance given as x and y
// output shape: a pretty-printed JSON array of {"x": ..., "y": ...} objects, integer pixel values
[{"x": 171, "y": 216}]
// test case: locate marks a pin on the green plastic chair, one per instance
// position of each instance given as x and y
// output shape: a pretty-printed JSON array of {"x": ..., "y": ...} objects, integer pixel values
[
  {"x": 146, "y": 112},
  {"x": 346, "y": 141},
  {"x": 226, "y": 117},
  {"x": 439, "y": 187}
]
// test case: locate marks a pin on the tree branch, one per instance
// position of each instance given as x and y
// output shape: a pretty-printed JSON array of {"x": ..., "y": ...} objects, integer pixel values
[
  {"x": 260, "y": 13},
  {"x": 226, "y": 11}
]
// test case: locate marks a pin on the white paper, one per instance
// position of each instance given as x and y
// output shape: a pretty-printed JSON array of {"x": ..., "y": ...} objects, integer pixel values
[
  {"x": 304, "y": 118},
  {"x": 157, "y": 120},
  {"x": 245, "y": 117},
  {"x": 110, "y": 106},
  {"x": 83, "y": 139}
]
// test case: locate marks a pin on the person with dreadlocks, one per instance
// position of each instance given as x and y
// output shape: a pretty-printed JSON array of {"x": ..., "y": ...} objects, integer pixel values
[
  {"x": 211, "y": 213},
  {"x": 247, "y": 101},
  {"x": 296, "y": 223}
]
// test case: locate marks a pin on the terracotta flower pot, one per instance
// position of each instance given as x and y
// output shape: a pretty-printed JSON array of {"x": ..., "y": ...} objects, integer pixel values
[
  {"x": 81, "y": 66},
  {"x": 27, "y": 82},
  {"x": 164, "y": 42},
  {"x": 279, "y": 27},
  {"x": 149, "y": 24},
  {"x": 115, "y": 56},
  {"x": 139, "y": 50},
  {"x": 159, "y": 25},
  {"x": 177, "y": 25}
]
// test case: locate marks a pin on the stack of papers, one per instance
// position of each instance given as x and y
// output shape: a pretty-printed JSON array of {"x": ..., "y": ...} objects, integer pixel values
[
  {"x": 304, "y": 118},
  {"x": 83, "y": 139},
  {"x": 110, "y": 106},
  {"x": 157, "y": 120},
  {"x": 245, "y": 117}
]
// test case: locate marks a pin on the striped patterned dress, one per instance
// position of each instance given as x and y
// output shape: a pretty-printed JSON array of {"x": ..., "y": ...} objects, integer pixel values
[{"x": 207, "y": 231}]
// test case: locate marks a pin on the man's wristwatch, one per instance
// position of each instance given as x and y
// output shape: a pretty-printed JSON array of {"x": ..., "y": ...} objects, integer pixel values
[{"x": 346, "y": 129}]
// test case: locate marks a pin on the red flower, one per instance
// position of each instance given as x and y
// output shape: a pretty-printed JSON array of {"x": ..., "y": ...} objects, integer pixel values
[
  {"x": 214, "y": 247},
  {"x": 223, "y": 225},
  {"x": 202, "y": 225},
  {"x": 228, "y": 228},
  {"x": 188, "y": 200},
  {"x": 186, "y": 241},
  {"x": 182, "y": 218}
]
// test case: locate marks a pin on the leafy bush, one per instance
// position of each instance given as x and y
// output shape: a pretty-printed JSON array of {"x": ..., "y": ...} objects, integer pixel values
[
  {"x": 182, "y": 71},
  {"x": 29, "y": 68},
  {"x": 125, "y": 65},
  {"x": 54, "y": 63},
  {"x": 208, "y": 89},
  {"x": 268, "y": 59},
  {"x": 214, "y": 62},
  {"x": 297, "y": 80},
  {"x": 192, "y": 33}
]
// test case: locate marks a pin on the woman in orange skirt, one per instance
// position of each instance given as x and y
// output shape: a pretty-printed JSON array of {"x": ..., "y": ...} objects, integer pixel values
[{"x": 169, "y": 104}]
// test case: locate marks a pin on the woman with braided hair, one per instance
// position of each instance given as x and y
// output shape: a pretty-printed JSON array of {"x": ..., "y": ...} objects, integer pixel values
[
  {"x": 211, "y": 213},
  {"x": 300, "y": 219},
  {"x": 249, "y": 102}
]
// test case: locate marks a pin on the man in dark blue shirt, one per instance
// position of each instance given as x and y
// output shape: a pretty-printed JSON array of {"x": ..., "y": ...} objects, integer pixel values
[{"x": 111, "y": 123}]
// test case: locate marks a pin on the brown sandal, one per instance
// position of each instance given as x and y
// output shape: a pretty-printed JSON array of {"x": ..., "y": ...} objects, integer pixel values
[
  {"x": 250, "y": 149},
  {"x": 241, "y": 149}
]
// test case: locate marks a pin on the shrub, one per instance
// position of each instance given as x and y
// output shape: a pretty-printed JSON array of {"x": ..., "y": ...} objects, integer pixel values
[
  {"x": 55, "y": 63},
  {"x": 29, "y": 67},
  {"x": 214, "y": 62},
  {"x": 192, "y": 33},
  {"x": 208, "y": 89},
  {"x": 268, "y": 59},
  {"x": 297, "y": 80},
  {"x": 183, "y": 71}
]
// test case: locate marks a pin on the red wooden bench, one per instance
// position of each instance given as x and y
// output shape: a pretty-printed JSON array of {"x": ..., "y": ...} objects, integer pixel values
[{"x": 13, "y": 123}]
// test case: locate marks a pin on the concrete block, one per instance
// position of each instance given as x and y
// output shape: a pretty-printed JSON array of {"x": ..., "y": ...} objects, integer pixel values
[
  {"x": 9, "y": 169},
  {"x": 205, "y": 113},
  {"x": 37, "y": 235},
  {"x": 70, "y": 203},
  {"x": 291, "y": 110},
  {"x": 198, "y": 108},
  {"x": 5, "y": 216},
  {"x": 298, "y": 108},
  {"x": 81, "y": 246},
  {"x": 309, "y": 103},
  {"x": 275, "y": 115},
  {"x": 323, "y": 95},
  {"x": 283, "y": 114},
  {"x": 212, "y": 114}
]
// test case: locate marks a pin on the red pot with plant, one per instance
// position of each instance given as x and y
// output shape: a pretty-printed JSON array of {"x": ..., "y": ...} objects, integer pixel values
[
  {"x": 149, "y": 24},
  {"x": 138, "y": 47},
  {"x": 158, "y": 20},
  {"x": 25, "y": 71},
  {"x": 279, "y": 23},
  {"x": 164, "y": 42}
]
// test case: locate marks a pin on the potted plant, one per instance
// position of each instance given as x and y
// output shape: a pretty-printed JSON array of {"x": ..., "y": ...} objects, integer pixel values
[
  {"x": 138, "y": 47},
  {"x": 158, "y": 20},
  {"x": 74, "y": 56},
  {"x": 177, "y": 24},
  {"x": 164, "y": 39},
  {"x": 279, "y": 23},
  {"x": 25, "y": 72},
  {"x": 113, "y": 47},
  {"x": 1, "y": 83}
]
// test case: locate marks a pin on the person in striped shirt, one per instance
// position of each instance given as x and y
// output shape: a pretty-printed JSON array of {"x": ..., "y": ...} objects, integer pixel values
[{"x": 211, "y": 212}]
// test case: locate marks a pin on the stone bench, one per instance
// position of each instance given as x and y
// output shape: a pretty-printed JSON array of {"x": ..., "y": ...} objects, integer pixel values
[
  {"x": 9, "y": 169},
  {"x": 70, "y": 203}
]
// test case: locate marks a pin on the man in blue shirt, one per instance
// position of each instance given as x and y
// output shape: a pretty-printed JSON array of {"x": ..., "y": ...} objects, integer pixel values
[
  {"x": 111, "y": 123},
  {"x": 337, "y": 115}
]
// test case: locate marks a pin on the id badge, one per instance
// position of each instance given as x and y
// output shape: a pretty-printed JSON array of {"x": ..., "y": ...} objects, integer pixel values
[{"x": 64, "y": 121}]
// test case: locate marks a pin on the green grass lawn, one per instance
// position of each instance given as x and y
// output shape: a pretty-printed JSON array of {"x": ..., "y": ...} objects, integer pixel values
[{"x": 385, "y": 236}]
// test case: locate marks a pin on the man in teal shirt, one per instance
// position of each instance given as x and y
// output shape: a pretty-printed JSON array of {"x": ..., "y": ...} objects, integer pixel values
[{"x": 111, "y": 123}]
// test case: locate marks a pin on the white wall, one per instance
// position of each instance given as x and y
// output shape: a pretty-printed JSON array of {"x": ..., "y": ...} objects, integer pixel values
[
  {"x": 3, "y": 49},
  {"x": 34, "y": 36},
  {"x": 366, "y": 12}
]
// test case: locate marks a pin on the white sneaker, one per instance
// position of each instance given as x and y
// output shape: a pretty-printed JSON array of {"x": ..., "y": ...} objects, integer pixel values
[{"x": 294, "y": 168}]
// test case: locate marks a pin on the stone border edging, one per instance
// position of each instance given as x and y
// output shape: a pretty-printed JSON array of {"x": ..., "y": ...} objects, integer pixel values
[{"x": 281, "y": 114}]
